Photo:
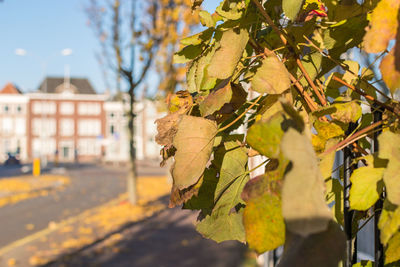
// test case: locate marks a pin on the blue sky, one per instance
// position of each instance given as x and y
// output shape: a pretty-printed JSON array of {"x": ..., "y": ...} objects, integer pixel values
[{"x": 44, "y": 28}]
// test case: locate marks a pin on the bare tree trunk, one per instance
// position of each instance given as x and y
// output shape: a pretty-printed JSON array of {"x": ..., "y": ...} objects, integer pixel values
[{"x": 131, "y": 179}]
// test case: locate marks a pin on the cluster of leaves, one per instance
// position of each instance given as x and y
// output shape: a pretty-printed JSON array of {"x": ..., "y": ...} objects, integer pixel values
[{"x": 267, "y": 79}]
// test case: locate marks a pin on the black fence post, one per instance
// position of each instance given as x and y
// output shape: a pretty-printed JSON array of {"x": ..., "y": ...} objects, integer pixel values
[
  {"x": 348, "y": 156},
  {"x": 379, "y": 262}
]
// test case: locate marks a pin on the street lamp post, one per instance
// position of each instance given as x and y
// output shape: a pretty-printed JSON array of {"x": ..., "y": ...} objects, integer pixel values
[{"x": 43, "y": 62}]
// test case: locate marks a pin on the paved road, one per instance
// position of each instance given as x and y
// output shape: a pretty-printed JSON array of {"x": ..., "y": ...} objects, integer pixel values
[{"x": 91, "y": 185}]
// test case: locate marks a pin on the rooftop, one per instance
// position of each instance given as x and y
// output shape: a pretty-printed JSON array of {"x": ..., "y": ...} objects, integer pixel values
[{"x": 60, "y": 85}]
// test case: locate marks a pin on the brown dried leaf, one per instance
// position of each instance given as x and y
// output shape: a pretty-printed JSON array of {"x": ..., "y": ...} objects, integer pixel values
[
  {"x": 194, "y": 142},
  {"x": 167, "y": 128}
]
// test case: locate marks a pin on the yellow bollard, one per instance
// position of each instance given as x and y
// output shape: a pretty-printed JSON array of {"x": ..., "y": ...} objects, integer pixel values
[{"x": 36, "y": 167}]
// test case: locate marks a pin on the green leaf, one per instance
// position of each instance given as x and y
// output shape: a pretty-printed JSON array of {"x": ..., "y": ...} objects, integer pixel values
[
  {"x": 206, "y": 19},
  {"x": 303, "y": 202},
  {"x": 346, "y": 111},
  {"x": 334, "y": 197},
  {"x": 389, "y": 148},
  {"x": 216, "y": 100},
  {"x": 193, "y": 141},
  {"x": 341, "y": 110},
  {"x": 228, "y": 54},
  {"x": 384, "y": 22},
  {"x": 292, "y": 8},
  {"x": 326, "y": 163},
  {"x": 262, "y": 217},
  {"x": 223, "y": 224},
  {"x": 203, "y": 81},
  {"x": 352, "y": 66},
  {"x": 204, "y": 200},
  {"x": 390, "y": 72},
  {"x": 265, "y": 135},
  {"x": 344, "y": 35},
  {"x": 392, "y": 250},
  {"x": 199, "y": 38},
  {"x": 271, "y": 77},
  {"x": 364, "y": 189},
  {"x": 263, "y": 223},
  {"x": 326, "y": 248},
  {"x": 191, "y": 76},
  {"x": 389, "y": 221},
  {"x": 234, "y": 165},
  {"x": 231, "y": 9},
  {"x": 222, "y": 227},
  {"x": 188, "y": 53},
  {"x": 327, "y": 130}
]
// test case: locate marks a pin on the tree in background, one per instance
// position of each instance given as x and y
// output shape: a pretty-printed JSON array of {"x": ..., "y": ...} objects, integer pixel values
[
  {"x": 275, "y": 69},
  {"x": 134, "y": 35}
]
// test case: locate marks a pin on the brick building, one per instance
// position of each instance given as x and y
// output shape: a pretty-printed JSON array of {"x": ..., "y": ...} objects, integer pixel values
[{"x": 67, "y": 120}]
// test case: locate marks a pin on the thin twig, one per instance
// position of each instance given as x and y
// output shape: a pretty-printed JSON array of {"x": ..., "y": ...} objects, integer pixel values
[
  {"x": 311, "y": 104},
  {"x": 352, "y": 138},
  {"x": 344, "y": 66},
  {"x": 373, "y": 62},
  {"x": 270, "y": 22},
  {"x": 240, "y": 116},
  {"x": 365, "y": 223},
  {"x": 321, "y": 89},
  {"x": 310, "y": 82},
  {"x": 390, "y": 108}
]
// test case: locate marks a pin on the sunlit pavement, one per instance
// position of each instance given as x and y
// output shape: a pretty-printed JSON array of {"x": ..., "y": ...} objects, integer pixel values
[
  {"x": 90, "y": 186},
  {"x": 166, "y": 239},
  {"x": 161, "y": 240}
]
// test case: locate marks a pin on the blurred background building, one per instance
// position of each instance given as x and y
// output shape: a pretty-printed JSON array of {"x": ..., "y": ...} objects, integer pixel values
[
  {"x": 13, "y": 121},
  {"x": 65, "y": 120}
]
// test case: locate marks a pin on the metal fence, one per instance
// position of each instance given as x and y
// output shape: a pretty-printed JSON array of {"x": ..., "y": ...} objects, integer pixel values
[{"x": 370, "y": 247}]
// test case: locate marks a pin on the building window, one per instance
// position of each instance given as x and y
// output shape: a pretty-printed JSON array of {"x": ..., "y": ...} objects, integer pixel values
[
  {"x": 43, "y": 146},
  {"x": 111, "y": 115},
  {"x": 89, "y": 127},
  {"x": 67, "y": 127},
  {"x": 67, "y": 108},
  {"x": 112, "y": 129},
  {"x": 7, "y": 125},
  {"x": 19, "y": 109},
  {"x": 6, "y": 109},
  {"x": 87, "y": 108},
  {"x": 20, "y": 126},
  {"x": 90, "y": 147},
  {"x": 44, "y": 127},
  {"x": 44, "y": 107}
]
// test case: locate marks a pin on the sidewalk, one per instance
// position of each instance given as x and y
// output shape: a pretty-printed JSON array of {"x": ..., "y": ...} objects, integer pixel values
[
  {"x": 118, "y": 234},
  {"x": 166, "y": 239}
]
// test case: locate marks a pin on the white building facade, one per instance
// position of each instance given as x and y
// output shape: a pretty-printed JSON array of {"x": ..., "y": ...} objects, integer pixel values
[
  {"x": 117, "y": 133},
  {"x": 13, "y": 120}
]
